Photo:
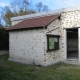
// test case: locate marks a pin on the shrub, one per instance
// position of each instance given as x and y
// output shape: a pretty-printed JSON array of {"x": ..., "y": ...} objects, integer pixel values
[{"x": 4, "y": 39}]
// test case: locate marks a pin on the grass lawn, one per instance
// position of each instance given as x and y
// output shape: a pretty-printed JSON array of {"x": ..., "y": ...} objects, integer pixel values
[{"x": 16, "y": 71}]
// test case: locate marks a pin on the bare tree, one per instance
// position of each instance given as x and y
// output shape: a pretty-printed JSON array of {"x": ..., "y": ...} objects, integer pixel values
[
  {"x": 20, "y": 5},
  {"x": 41, "y": 8},
  {"x": 7, "y": 15},
  {"x": 19, "y": 8},
  {"x": 1, "y": 19}
]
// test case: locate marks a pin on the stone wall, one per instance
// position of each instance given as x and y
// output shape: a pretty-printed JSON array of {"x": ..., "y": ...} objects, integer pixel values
[
  {"x": 68, "y": 20},
  {"x": 27, "y": 46},
  {"x": 3, "y": 52},
  {"x": 54, "y": 56},
  {"x": 57, "y": 27}
]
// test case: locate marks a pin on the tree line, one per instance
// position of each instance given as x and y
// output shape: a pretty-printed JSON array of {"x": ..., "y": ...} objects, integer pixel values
[{"x": 19, "y": 8}]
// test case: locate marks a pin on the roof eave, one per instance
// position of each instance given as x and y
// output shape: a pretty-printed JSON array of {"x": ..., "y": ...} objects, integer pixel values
[{"x": 40, "y": 27}]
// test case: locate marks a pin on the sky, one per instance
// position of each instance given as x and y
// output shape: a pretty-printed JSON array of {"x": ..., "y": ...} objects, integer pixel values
[{"x": 52, "y": 4}]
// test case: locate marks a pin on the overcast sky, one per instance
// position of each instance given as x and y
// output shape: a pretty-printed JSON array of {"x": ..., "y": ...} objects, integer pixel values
[{"x": 52, "y": 4}]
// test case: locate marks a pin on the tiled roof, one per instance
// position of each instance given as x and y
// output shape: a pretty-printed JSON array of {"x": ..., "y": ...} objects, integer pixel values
[{"x": 34, "y": 22}]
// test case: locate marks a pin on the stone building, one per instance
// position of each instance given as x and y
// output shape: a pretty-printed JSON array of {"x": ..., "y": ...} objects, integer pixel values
[{"x": 46, "y": 38}]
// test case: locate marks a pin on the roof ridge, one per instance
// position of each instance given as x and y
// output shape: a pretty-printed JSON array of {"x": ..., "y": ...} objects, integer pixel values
[
  {"x": 52, "y": 12},
  {"x": 41, "y": 16}
]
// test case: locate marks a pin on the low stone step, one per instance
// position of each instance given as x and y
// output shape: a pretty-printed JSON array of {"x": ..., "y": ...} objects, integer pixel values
[{"x": 72, "y": 62}]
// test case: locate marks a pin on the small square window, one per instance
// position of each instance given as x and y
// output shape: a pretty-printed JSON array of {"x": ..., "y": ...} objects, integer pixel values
[{"x": 52, "y": 42}]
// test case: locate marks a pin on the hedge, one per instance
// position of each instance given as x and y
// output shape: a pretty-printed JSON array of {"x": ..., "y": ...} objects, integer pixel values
[{"x": 4, "y": 39}]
